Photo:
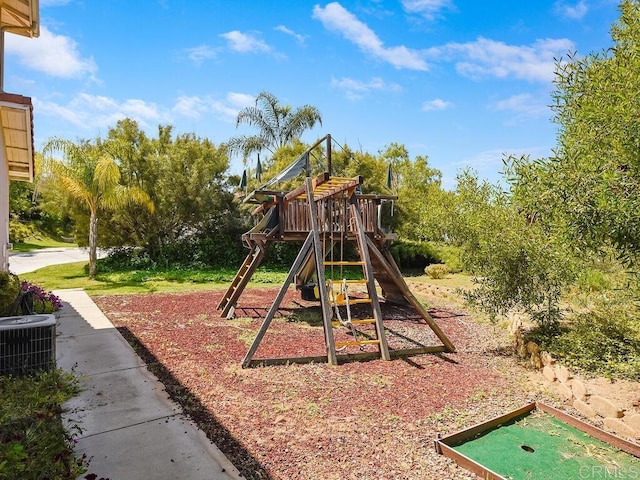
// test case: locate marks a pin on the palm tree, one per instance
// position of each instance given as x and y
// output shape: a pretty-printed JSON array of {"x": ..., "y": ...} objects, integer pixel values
[
  {"x": 278, "y": 125},
  {"x": 91, "y": 177}
]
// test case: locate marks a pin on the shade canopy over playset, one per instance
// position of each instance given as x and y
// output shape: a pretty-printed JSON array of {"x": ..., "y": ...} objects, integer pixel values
[{"x": 329, "y": 216}]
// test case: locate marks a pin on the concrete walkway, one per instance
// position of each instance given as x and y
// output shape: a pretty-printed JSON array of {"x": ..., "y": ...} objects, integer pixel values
[{"x": 131, "y": 430}]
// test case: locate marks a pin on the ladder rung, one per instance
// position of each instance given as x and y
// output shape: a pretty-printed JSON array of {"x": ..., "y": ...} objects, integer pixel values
[
  {"x": 363, "y": 321},
  {"x": 356, "y": 343},
  {"x": 360, "y": 321},
  {"x": 343, "y": 263},
  {"x": 352, "y": 301}
]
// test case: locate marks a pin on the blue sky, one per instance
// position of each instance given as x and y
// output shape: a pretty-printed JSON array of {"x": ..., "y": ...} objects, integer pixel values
[{"x": 460, "y": 81}]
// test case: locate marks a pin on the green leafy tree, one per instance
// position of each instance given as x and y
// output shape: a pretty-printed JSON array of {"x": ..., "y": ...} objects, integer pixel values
[
  {"x": 90, "y": 176},
  {"x": 277, "y": 124},
  {"x": 518, "y": 263},
  {"x": 195, "y": 220},
  {"x": 589, "y": 191}
]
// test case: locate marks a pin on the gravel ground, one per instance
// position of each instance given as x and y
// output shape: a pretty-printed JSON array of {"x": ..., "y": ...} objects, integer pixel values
[{"x": 369, "y": 420}]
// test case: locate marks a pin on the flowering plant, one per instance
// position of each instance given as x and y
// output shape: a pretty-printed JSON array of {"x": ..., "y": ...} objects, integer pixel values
[{"x": 43, "y": 301}]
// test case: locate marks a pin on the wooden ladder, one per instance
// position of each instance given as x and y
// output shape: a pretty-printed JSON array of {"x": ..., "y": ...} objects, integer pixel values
[
  {"x": 228, "y": 302},
  {"x": 369, "y": 281}
]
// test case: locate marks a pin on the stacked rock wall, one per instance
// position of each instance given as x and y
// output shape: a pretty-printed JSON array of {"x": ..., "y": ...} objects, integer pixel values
[{"x": 578, "y": 392}]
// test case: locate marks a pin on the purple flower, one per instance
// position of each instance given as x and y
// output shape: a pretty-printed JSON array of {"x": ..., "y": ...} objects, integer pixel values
[{"x": 40, "y": 295}]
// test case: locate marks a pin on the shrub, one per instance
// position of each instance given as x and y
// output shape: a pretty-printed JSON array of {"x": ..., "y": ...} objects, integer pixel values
[
  {"x": 605, "y": 341},
  {"x": 436, "y": 270},
  {"x": 33, "y": 442},
  {"x": 19, "y": 231},
  {"x": 592, "y": 280},
  {"x": 122, "y": 259},
  {"x": 9, "y": 290},
  {"x": 449, "y": 255},
  {"x": 413, "y": 255}
]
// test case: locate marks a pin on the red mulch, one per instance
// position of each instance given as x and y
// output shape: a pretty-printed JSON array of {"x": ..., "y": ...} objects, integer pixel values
[{"x": 368, "y": 420}]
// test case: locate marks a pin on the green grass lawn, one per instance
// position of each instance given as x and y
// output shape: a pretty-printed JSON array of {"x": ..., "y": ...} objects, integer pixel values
[
  {"x": 74, "y": 275},
  {"x": 37, "y": 243}
]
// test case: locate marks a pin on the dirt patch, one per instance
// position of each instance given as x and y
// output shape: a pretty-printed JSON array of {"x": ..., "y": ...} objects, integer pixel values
[{"x": 369, "y": 420}]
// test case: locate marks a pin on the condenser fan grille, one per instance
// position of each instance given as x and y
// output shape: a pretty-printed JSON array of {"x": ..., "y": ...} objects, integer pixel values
[{"x": 27, "y": 344}]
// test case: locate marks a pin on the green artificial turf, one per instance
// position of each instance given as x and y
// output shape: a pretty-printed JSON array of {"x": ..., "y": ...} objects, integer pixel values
[{"x": 539, "y": 446}]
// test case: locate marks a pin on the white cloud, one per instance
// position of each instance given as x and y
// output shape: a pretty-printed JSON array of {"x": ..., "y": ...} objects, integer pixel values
[
  {"x": 245, "y": 42},
  {"x": 486, "y": 57},
  {"x": 524, "y": 105},
  {"x": 576, "y": 11},
  {"x": 493, "y": 160},
  {"x": 200, "y": 53},
  {"x": 240, "y": 100},
  {"x": 356, "y": 89},
  {"x": 189, "y": 106},
  {"x": 299, "y": 37},
  {"x": 336, "y": 18},
  {"x": 436, "y": 104},
  {"x": 95, "y": 111},
  {"x": 226, "y": 109},
  {"x": 426, "y": 8},
  {"x": 55, "y": 55}
]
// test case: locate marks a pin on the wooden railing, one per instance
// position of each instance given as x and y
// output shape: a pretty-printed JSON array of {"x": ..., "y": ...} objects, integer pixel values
[{"x": 334, "y": 215}]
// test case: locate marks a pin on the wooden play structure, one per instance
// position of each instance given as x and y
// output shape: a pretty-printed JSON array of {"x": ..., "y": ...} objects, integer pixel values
[{"x": 326, "y": 213}]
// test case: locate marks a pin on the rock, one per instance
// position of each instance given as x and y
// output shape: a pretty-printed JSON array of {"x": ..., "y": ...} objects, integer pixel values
[
  {"x": 565, "y": 391},
  {"x": 522, "y": 351},
  {"x": 535, "y": 361},
  {"x": 516, "y": 326},
  {"x": 618, "y": 427},
  {"x": 549, "y": 373},
  {"x": 604, "y": 407},
  {"x": 280, "y": 419},
  {"x": 547, "y": 359},
  {"x": 533, "y": 349},
  {"x": 563, "y": 373},
  {"x": 584, "y": 408},
  {"x": 579, "y": 389},
  {"x": 633, "y": 421}
]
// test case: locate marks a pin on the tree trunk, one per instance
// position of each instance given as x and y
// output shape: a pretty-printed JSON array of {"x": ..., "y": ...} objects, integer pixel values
[{"x": 93, "y": 240}]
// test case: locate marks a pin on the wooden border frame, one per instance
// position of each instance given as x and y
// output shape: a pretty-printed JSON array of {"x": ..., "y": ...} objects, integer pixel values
[{"x": 445, "y": 444}]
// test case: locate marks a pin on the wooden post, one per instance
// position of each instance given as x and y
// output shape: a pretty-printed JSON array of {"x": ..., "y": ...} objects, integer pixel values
[
  {"x": 396, "y": 277},
  {"x": 368, "y": 270},
  {"x": 302, "y": 254},
  {"x": 329, "y": 154},
  {"x": 322, "y": 283}
]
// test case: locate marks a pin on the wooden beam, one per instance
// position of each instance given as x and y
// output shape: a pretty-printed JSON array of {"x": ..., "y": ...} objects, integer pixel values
[
  {"x": 345, "y": 357},
  {"x": 368, "y": 271},
  {"x": 322, "y": 283},
  {"x": 396, "y": 277},
  {"x": 276, "y": 303},
  {"x": 319, "y": 180}
]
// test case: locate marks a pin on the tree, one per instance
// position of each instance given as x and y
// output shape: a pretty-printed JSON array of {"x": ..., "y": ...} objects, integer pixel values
[
  {"x": 517, "y": 263},
  {"x": 277, "y": 124},
  {"x": 90, "y": 176},
  {"x": 195, "y": 220},
  {"x": 589, "y": 191}
]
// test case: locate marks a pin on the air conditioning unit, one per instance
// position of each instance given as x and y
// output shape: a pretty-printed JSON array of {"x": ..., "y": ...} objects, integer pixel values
[{"x": 27, "y": 344}]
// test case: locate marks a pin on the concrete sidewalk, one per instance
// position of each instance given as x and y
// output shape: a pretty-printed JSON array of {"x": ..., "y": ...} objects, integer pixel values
[{"x": 131, "y": 430}]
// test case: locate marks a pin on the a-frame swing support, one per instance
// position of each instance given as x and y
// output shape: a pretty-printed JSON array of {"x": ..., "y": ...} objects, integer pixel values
[
  {"x": 306, "y": 211},
  {"x": 313, "y": 244}
]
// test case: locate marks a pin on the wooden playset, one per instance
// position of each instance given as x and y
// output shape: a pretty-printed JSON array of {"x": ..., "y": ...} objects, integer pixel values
[{"x": 326, "y": 213}]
